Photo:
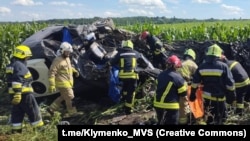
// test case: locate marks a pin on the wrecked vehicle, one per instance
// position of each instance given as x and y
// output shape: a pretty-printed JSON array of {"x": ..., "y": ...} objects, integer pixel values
[
  {"x": 95, "y": 77},
  {"x": 89, "y": 59}
]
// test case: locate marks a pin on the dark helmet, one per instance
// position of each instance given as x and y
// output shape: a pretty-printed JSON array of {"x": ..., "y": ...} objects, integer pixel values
[{"x": 175, "y": 61}]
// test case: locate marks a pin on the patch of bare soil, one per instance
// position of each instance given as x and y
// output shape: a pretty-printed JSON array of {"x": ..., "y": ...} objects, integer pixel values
[
  {"x": 4, "y": 137},
  {"x": 104, "y": 112}
]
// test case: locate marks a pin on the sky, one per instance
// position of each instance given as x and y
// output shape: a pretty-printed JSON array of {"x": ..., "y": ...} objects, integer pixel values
[{"x": 32, "y": 10}]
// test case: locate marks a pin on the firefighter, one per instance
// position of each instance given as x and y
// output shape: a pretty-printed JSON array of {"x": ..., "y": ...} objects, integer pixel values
[
  {"x": 242, "y": 81},
  {"x": 218, "y": 85},
  {"x": 61, "y": 77},
  {"x": 19, "y": 81},
  {"x": 126, "y": 60},
  {"x": 187, "y": 70},
  {"x": 156, "y": 46},
  {"x": 171, "y": 87}
]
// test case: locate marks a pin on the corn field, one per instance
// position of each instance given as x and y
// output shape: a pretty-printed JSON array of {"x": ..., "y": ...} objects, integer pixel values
[{"x": 229, "y": 31}]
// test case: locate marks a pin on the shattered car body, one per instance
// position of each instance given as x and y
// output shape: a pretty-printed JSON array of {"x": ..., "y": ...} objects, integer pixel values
[
  {"x": 44, "y": 45},
  {"x": 94, "y": 74}
]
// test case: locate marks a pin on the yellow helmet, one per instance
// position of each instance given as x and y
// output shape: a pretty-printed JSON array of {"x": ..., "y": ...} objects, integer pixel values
[
  {"x": 214, "y": 50},
  {"x": 22, "y": 51},
  {"x": 128, "y": 43},
  {"x": 191, "y": 53}
]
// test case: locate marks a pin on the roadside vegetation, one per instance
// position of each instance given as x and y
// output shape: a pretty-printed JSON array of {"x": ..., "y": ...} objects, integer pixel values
[{"x": 13, "y": 34}]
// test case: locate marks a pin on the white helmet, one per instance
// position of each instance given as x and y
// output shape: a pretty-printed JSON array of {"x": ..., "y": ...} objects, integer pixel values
[{"x": 65, "y": 46}]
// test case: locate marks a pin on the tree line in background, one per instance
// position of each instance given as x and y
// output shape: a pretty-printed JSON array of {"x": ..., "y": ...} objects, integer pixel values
[{"x": 123, "y": 21}]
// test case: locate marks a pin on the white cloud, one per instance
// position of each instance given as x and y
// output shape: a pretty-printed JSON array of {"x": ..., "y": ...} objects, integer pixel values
[
  {"x": 58, "y": 3},
  {"x": 111, "y": 14},
  {"x": 232, "y": 10},
  {"x": 65, "y": 3},
  {"x": 31, "y": 16},
  {"x": 207, "y": 1},
  {"x": 26, "y": 2},
  {"x": 4, "y": 10},
  {"x": 141, "y": 12},
  {"x": 173, "y": 1},
  {"x": 151, "y": 4}
]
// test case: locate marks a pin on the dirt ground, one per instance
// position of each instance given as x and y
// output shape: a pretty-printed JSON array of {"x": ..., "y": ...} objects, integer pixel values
[{"x": 105, "y": 112}]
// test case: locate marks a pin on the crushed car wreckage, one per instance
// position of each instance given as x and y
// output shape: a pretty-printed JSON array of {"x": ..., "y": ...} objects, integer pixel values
[
  {"x": 90, "y": 61},
  {"x": 93, "y": 45}
]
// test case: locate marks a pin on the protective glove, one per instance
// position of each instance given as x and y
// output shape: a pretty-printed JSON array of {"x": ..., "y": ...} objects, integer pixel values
[
  {"x": 192, "y": 96},
  {"x": 52, "y": 89},
  {"x": 76, "y": 74},
  {"x": 16, "y": 99}
]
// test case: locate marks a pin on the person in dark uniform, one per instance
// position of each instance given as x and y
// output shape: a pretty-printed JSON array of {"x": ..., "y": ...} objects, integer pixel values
[
  {"x": 171, "y": 86},
  {"x": 156, "y": 46},
  {"x": 242, "y": 81},
  {"x": 19, "y": 81},
  {"x": 126, "y": 60},
  {"x": 218, "y": 85}
]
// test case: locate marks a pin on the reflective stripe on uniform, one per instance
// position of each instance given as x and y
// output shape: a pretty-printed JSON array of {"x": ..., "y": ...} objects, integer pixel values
[
  {"x": 27, "y": 75},
  {"x": 16, "y": 125},
  {"x": 161, "y": 103},
  {"x": 37, "y": 123},
  {"x": 64, "y": 84},
  {"x": 240, "y": 105},
  {"x": 207, "y": 95},
  {"x": 232, "y": 65},
  {"x": 211, "y": 72},
  {"x": 242, "y": 84},
  {"x": 174, "y": 105}
]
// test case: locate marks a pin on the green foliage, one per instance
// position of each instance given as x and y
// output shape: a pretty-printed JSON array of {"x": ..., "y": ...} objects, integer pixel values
[
  {"x": 12, "y": 35},
  {"x": 224, "y": 31}
]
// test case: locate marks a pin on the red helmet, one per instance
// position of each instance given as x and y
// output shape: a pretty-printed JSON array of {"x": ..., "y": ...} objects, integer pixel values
[
  {"x": 144, "y": 35},
  {"x": 175, "y": 61}
]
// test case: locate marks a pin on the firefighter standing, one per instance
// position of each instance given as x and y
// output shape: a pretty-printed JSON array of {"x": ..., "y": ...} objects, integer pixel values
[
  {"x": 187, "y": 70},
  {"x": 156, "y": 46},
  {"x": 19, "y": 81},
  {"x": 241, "y": 79},
  {"x": 126, "y": 59},
  {"x": 218, "y": 85},
  {"x": 171, "y": 87},
  {"x": 61, "y": 78}
]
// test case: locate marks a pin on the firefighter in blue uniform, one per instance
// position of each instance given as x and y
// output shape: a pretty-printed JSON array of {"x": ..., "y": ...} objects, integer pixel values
[
  {"x": 19, "y": 81},
  {"x": 218, "y": 85},
  {"x": 241, "y": 79},
  {"x": 126, "y": 60},
  {"x": 156, "y": 46},
  {"x": 171, "y": 87}
]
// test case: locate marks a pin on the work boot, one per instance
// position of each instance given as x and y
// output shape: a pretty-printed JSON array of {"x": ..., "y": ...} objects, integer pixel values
[
  {"x": 200, "y": 121},
  {"x": 72, "y": 113}
]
